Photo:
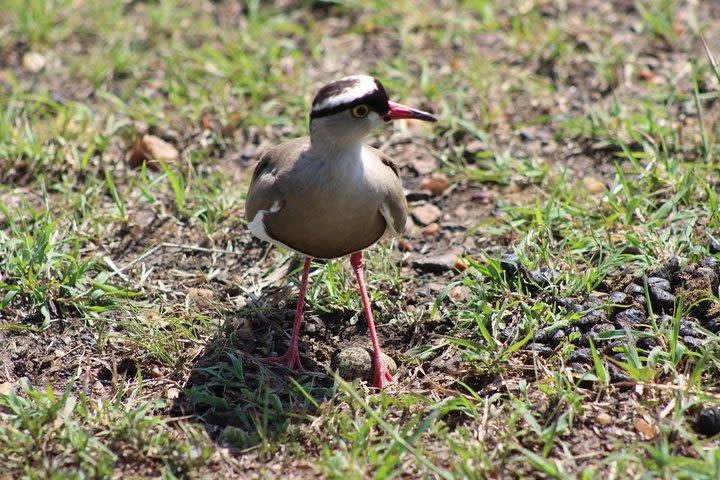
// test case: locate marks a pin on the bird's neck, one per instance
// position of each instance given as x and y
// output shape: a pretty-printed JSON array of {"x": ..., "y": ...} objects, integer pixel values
[{"x": 341, "y": 150}]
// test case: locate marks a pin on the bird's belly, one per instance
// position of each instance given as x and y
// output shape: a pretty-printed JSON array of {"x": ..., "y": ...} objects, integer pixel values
[{"x": 331, "y": 229}]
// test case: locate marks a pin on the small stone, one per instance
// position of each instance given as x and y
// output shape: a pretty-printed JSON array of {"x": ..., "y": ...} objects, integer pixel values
[
  {"x": 549, "y": 336},
  {"x": 593, "y": 301},
  {"x": 426, "y": 214},
  {"x": 152, "y": 150},
  {"x": 404, "y": 245},
  {"x": 660, "y": 272},
  {"x": 425, "y": 165},
  {"x": 618, "y": 357},
  {"x": 708, "y": 422},
  {"x": 593, "y": 186},
  {"x": 436, "y": 183},
  {"x": 594, "y": 333},
  {"x": 509, "y": 333},
  {"x": 600, "y": 328},
  {"x": 474, "y": 147},
  {"x": 603, "y": 418},
  {"x": 542, "y": 335},
  {"x": 459, "y": 293},
  {"x": 645, "y": 428},
  {"x": 142, "y": 218},
  {"x": 34, "y": 61},
  {"x": 358, "y": 362},
  {"x": 430, "y": 230},
  {"x": 556, "y": 338},
  {"x": 437, "y": 263}
]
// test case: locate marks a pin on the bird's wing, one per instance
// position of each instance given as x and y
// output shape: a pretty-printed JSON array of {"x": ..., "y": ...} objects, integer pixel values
[
  {"x": 394, "y": 206},
  {"x": 265, "y": 195}
]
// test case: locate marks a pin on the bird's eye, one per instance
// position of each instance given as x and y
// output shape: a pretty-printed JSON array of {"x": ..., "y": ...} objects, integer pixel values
[{"x": 360, "y": 111}]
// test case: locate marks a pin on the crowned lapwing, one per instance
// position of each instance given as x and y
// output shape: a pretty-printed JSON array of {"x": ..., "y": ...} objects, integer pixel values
[{"x": 330, "y": 195}]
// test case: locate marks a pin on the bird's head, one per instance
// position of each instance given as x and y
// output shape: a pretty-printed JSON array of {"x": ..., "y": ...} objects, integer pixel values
[{"x": 347, "y": 110}]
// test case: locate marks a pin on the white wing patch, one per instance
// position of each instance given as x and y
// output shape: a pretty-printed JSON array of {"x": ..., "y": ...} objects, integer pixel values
[
  {"x": 257, "y": 226},
  {"x": 363, "y": 85}
]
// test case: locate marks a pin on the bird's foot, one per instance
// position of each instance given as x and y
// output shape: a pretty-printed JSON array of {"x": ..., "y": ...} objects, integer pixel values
[
  {"x": 382, "y": 376},
  {"x": 291, "y": 360}
]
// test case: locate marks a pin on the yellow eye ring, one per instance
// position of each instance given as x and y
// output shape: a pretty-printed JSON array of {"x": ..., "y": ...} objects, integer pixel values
[{"x": 360, "y": 111}]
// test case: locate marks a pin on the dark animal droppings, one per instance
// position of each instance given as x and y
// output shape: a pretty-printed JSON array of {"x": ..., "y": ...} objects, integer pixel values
[
  {"x": 510, "y": 264},
  {"x": 714, "y": 246},
  {"x": 708, "y": 422}
]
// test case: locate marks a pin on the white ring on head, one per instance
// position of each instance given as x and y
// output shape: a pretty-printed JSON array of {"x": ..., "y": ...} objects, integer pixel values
[{"x": 363, "y": 85}]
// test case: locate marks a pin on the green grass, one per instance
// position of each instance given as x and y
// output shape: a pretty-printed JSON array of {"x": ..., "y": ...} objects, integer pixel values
[{"x": 130, "y": 296}]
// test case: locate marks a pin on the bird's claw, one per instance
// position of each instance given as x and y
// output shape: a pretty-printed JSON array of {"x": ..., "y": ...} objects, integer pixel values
[
  {"x": 291, "y": 360},
  {"x": 382, "y": 376}
]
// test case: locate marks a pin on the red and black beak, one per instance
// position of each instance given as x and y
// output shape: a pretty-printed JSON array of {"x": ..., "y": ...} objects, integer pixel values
[{"x": 398, "y": 111}]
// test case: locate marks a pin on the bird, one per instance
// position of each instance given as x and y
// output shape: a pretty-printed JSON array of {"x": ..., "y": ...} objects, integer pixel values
[{"x": 329, "y": 195}]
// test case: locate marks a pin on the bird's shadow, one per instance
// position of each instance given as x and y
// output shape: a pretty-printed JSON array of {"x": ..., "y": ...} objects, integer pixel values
[{"x": 241, "y": 400}]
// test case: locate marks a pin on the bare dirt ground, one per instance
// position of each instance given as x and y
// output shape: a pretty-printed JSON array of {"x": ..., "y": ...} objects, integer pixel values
[{"x": 191, "y": 281}]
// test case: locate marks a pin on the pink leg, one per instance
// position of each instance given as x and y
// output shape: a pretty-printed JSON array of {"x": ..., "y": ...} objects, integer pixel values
[
  {"x": 382, "y": 376},
  {"x": 292, "y": 358}
]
